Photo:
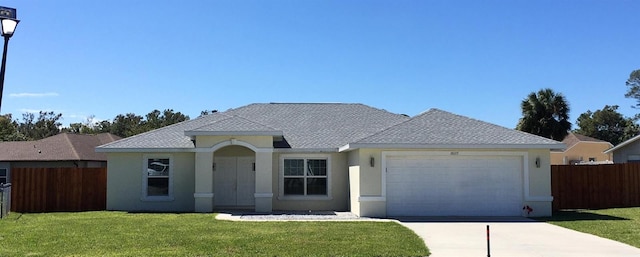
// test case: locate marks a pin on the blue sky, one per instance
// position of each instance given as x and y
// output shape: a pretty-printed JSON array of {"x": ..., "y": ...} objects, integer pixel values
[{"x": 474, "y": 58}]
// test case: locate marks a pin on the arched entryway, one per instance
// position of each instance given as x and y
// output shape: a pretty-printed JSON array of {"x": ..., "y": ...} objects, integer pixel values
[
  {"x": 234, "y": 177},
  {"x": 220, "y": 176}
]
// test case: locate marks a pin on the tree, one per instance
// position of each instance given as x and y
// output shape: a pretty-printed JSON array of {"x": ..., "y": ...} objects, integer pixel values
[
  {"x": 545, "y": 113},
  {"x": 607, "y": 124},
  {"x": 9, "y": 129},
  {"x": 155, "y": 119},
  {"x": 88, "y": 126},
  {"x": 48, "y": 124},
  {"x": 126, "y": 125},
  {"x": 131, "y": 124},
  {"x": 633, "y": 84},
  {"x": 207, "y": 112}
]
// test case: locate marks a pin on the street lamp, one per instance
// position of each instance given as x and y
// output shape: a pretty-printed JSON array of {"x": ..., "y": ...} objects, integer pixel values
[{"x": 9, "y": 24}]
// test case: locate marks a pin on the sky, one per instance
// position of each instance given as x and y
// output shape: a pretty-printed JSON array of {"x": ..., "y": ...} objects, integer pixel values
[{"x": 478, "y": 59}]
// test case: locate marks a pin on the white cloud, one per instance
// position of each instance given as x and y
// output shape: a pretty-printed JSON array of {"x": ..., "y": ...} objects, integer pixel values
[
  {"x": 33, "y": 94},
  {"x": 34, "y": 110}
]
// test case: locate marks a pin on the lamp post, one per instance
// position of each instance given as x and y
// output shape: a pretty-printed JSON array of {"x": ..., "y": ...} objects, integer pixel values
[{"x": 9, "y": 24}]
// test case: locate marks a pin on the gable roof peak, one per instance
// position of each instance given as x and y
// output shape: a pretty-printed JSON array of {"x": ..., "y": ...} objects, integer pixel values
[{"x": 437, "y": 128}]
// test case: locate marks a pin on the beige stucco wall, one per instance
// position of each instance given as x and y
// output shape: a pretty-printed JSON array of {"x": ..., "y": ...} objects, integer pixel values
[
  {"x": 257, "y": 141},
  {"x": 366, "y": 197},
  {"x": 539, "y": 184},
  {"x": 353, "y": 159},
  {"x": 124, "y": 183},
  {"x": 339, "y": 186},
  {"x": 582, "y": 151},
  {"x": 369, "y": 200}
]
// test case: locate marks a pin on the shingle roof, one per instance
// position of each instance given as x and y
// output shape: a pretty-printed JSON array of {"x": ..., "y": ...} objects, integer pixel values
[
  {"x": 572, "y": 139},
  {"x": 320, "y": 125},
  {"x": 623, "y": 144},
  {"x": 61, "y": 147},
  {"x": 332, "y": 126},
  {"x": 234, "y": 125},
  {"x": 171, "y": 137},
  {"x": 440, "y": 128},
  {"x": 304, "y": 126}
]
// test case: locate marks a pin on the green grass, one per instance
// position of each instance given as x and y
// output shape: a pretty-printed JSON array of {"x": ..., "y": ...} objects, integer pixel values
[
  {"x": 622, "y": 225},
  {"x": 126, "y": 234}
]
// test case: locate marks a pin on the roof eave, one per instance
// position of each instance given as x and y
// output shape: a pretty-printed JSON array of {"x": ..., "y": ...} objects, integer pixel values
[
  {"x": 623, "y": 144},
  {"x": 142, "y": 150},
  {"x": 306, "y": 150},
  {"x": 355, "y": 146}
]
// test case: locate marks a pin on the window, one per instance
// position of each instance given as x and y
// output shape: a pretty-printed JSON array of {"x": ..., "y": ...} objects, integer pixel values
[
  {"x": 4, "y": 176},
  {"x": 305, "y": 176},
  {"x": 157, "y": 184}
]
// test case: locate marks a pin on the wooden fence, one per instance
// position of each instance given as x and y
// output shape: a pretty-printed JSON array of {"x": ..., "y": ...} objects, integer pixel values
[
  {"x": 58, "y": 189},
  {"x": 595, "y": 186}
]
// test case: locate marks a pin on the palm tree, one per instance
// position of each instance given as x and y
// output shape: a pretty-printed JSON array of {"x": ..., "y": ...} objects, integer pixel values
[{"x": 546, "y": 114}]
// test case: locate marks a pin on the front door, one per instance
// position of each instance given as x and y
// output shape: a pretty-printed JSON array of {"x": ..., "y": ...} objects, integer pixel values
[{"x": 235, "y": 181}]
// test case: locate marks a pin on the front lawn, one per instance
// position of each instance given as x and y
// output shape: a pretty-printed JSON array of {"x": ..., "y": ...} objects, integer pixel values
[
  {"x": 621, "y": 224},
  {"x": 126, "y": 234}
]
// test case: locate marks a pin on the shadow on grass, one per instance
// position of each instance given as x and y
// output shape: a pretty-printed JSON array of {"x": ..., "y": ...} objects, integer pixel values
[{"x": 573, "y": 215}]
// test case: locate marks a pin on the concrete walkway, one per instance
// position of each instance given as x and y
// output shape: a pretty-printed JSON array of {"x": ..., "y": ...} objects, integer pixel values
[
  {"x": 512, "y": 237},
  {"x": 239, "y": 215}
]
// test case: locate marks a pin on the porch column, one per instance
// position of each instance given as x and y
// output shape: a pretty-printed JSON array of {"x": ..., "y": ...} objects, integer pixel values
[
  {"x": 264, "y": 177},
  {"x": 204, "y": 182}
]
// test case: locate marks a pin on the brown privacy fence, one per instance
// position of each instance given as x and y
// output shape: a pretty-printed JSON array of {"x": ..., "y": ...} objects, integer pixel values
[
  {"x": 58, "y": 189},
  {"x": 595, "y": 186}
]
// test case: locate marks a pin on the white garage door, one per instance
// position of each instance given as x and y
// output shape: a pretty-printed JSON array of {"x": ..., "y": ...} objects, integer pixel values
[{"x": 454, "y": 185}]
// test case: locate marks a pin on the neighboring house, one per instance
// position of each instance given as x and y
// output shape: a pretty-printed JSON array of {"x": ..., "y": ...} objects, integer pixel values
[
  {"x": 353, "y": 157},
  {"x": 627, "y": 151},
  {"x": 581, "y": 150},
  {"x": 62, "y": 150}
]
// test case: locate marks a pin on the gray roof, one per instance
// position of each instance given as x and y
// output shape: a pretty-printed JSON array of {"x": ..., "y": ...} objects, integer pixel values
[
  {"x": 336, "y": 126},
  {"x": 304, "y": 126},
  {"x": 436, "y": 128},
  {"x": 623, "y": 144},
  {"x": 234, "y": 125}
]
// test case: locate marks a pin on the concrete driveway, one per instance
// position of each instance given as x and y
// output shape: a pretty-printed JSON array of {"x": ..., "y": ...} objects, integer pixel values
[{"x": 512, "y": 237}]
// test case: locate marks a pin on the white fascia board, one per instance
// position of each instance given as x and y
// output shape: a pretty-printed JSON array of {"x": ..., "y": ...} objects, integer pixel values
[
  {"x": 305, "y": 150},
  {"x": 452, "y": 146},
  {"x": 233, "y": 133},
  {"x": 623, "y": 144},
  {"x": 346, "y": 148},
  {"x": 173, "y": 150},
  {"x": 143, "y": 150}
]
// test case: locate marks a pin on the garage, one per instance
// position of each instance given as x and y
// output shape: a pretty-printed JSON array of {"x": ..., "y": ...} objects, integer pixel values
[{"x": 454, "y": 184}]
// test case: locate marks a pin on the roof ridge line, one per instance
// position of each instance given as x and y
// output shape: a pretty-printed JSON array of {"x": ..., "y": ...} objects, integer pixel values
[
  {"x": 256, "y": 122},
  {"x": 73, "y": 146}
]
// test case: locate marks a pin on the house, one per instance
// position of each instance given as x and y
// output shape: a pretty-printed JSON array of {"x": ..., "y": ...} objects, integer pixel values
[
  {"x": 287, "y": 156},
  {"x": 580, "y": 150},
  {"x": 61, "y": 150},
  {"x": 627, "y": 151}
]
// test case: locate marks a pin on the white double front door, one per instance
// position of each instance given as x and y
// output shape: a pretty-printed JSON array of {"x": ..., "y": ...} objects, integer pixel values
[{"x": 235, "y": 181}]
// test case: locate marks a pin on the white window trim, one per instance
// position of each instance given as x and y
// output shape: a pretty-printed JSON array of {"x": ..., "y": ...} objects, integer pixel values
[
  {"x": 282, "y": 196},
  {"x": 144, "y": 196}
]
